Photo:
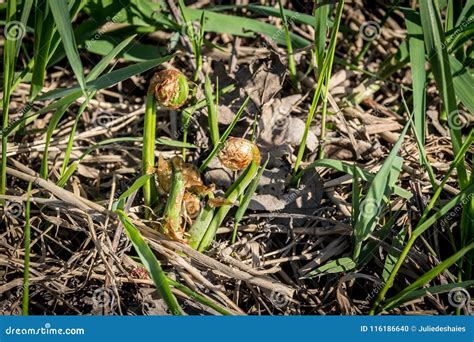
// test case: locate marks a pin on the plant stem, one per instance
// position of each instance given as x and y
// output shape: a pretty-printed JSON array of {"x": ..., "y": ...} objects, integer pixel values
[
  {"x": 326, "y": 65},
  {"x": 196, "y": 39},
  {"x": 9, "y": 55},
  {"x": 201, "y": 299},
  {"x": 172, "y": 214},
  {"x": 70, "y": 143},
  {"x": 232, "y": 194},
  {"x": 26, "y": 268},
  {"x": 245, "y": 200},
  {"x": 322, "y": 136},
  {"x": 148, "y": 156},
  {"x": 189, "y": 111},
  {"x": 199, "y": 227},
  {"x": 289, "y": 48},
  {"x": 211, "y": 112},
  {"x": 151, "y": 264},
  {"x": 224, "y": 136}
]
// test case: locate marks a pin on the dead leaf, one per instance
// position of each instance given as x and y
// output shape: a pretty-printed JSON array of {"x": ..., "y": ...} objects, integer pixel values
[
  {"x": 275, "y": 194},
  {"x": 280, "y": 131}
]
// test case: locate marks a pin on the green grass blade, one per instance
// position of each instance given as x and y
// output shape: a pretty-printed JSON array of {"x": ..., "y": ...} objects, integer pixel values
[
  {"x": 88, "y": 28},
  {"x": 108, "y": 80},
  {"x": 421, "y": 146},
  {"x": 452, "y": 11},
  {"x": 467, "y": 235},
  {"x": 289, "y": 47},
  {"x": 60, "y": 12},
  {"x": 329, "y": 58},
  {"x": 8, "y": 71},
  {"x": 44, "y": 30},
  {"x": 232, "y": 194},
  {"x": 242, "y": 26},
  {"x": 387, "y": 14},
  {"x": 327, "y": 65},
  {"x": 66, "y": 101},
  {"x": 25, "y": 14},
  {"x": 373, "y": 202},
  {"x": 224, "y": 136},
  {"x": 188, "y": 112},
  {"x": 466, "y": 12},
  {"x": 70, "y": 143},
  {"x": 320, "y": 32},
  {"x": 67, "y": 173},
  {"x": 108, "y": 58},
  {"x": 151, "y": 263},
  {"x": 422, "y": 227},
  {"x": 211, "y": 112},
  {"x": 428, "y": 276},
  {"x": 434, "y": 40},
  {"x": 367, "y": 251},
  {"x": 372, "y": 206},
  {"x": 244, "y": 203},
  {"x": 463, "y": 83},
  {"x": 434, "y": 290},
  {"x": 46, "y": 42},
  {"x": 196, "y": 38},
  {"x": 148, "y": 149},
  {"x": 418, "y": 72},
  {"x": 135, "y": 186},
  {"x": 199, "y": 298},
  {"x": 393, "y": 254},
  {"x": 57, "y": 115},
  {"x": 335, "y": 266},
  {"x": 341, "y": 166},
  {"x": 199, "y": 227},
  {"x": 95, "y": 72}
]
